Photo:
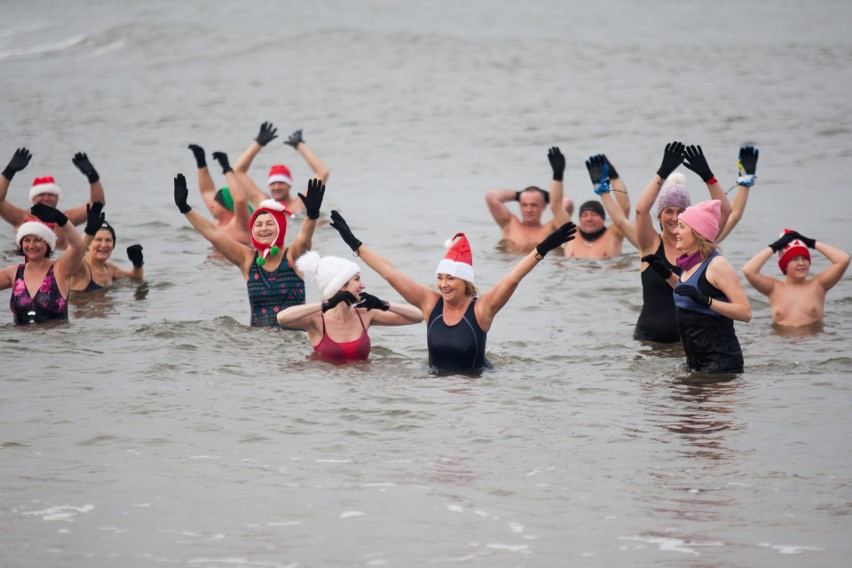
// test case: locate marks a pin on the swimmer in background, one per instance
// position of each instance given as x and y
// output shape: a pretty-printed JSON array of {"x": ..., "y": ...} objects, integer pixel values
[
  {"x": 279, "y": 180},
  {"x": 798, "y": 300},
  {"x": 230, "y": 215},
  {"x": 45, "y": 190},
  {"x": 521, "y": 235},
  {"x": 337, "y": 326}
]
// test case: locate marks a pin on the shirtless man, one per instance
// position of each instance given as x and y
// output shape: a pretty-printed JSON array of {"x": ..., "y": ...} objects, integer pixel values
[
  {"x": 229, "y": 206},
  {"x": 595, "y": 239},
  {"x": 44, "y": 190},
  {"x": 279, "y": 179},
  {"x": 797, "y": 300},
  {"x": 521, "y": 235}
]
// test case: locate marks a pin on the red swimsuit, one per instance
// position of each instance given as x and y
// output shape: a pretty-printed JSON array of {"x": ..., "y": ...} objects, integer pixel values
[{"x": 333, "y": 352}]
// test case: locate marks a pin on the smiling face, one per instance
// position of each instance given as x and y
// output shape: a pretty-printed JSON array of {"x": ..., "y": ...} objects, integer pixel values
[
  {"x": 451, "y": 288},
  {"x": 591, "y": 222},
  {"x": 49, "y": 199},
  {"x": 685, "y": 240},
  {"x": 265, "y": 229},
  {"x": 668, "y": 219},
  {"x": 279, "y": 190},
  {"x": 799, "y": 267},
  {"x": 102, "y": 245},
  {"x": 34, "y": 247}
]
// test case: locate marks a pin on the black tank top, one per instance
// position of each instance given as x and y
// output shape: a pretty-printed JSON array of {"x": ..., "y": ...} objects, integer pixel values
[
  {"x": 658, "y": 320},
  {"x": 459, "y": 347}
]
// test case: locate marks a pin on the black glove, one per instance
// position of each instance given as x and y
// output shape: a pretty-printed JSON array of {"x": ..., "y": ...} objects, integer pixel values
[
  {"x": 267, "y": 134},
  {"x": 748, "y": 160},
  {"x": 342, "y": 296},
  {"x": 810, "y": 243},
  {"x": 693, "y": 158},
  {"x": 782, "y": 242},
  {"x": 198, "y": 152},
  {"x": 94, "y": 218},
  {"x": 19, "y": 161},
  {"x": 49, "y": 214},
  {"x": 222, "y": 158},
  {"x": 339, "y": 223},
  {"x": 313, "y": 199},
  {"x": 181, "y": 194},
  {"x": 372, "y": 303},
  {"x": 658, "y": 265},
  {"x": 557, "y": 238},
  {"x": 697, "y": 295},
  {"x": 134, "y": 253},
  {"x": 83, "y": 164},
  {"x": 612, "y": 173},
  {"x": 595, "y": 165},
  {"x": 295, "y": 139},
  {"x": 672, "y": 158},
  {"x": 557, "y": 162}
]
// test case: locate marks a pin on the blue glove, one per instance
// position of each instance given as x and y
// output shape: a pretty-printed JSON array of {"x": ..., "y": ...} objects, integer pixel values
[{"x": 603, "y": 186}]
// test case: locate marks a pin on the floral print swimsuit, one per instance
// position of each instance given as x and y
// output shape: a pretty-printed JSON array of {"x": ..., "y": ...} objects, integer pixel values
[{"x": 48, "y": 303}]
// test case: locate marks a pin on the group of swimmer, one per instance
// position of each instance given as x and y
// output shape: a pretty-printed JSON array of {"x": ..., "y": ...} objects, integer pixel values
[{"x": 691, "y": 293}]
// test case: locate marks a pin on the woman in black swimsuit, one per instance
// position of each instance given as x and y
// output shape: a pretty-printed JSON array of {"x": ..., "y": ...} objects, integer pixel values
[{"x": 458, "y": 319}]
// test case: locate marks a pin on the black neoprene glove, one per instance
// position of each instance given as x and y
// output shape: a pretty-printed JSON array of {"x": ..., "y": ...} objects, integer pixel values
[
  {"x": 612, "y": 173},
  {"x": 557, "y": 163},
  {"x": 693, "y": 158},
  {"x": 657, "y": 264},
  {"x": 313, "y": 199},
  {"x": 81, "y": 160},
  {"x": 342, "y": 296},
  {"x": 134, "y": 253},
  {"x": 747, "y": 159},
  {"x": 49, "y": 214},
  {"x": 222, "y": 158},
  {"x": 672, "y": 158},
  {"x": 697, "y": 295},
  {"x": 198, "y": 152},
  {"x": 181, "y": 194},
  {"x": 295, "y": 139},
  {"x": 557, "y": 238},
  {"x": 810, "y": 243},
  {"x": 339, "y": 223},
  {"x": 595, "y": 165},
  {"x": 782, "y": 242},
  {"x": 19, "y": 161},
  {"x": 267, "y": 134},
  {"x": 94, "y": 218},
  {"x": 373, "y": 303}
]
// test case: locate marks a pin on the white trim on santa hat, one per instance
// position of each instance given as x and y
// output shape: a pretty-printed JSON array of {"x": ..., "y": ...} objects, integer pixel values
[
  {"x": 279, "y": 175},
  {"x": 44, "y": 185},
  {"x": 37, "y": 229},
  {"x": 458, "y": 262},
  {"x": 455, "y": 269}
]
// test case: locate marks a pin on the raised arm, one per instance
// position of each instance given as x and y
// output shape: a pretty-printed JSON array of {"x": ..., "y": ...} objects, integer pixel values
[
  {"x": 77, "y": 215},
  {"x": 496, "y": 200},
  {"x": 67, "y": 263},
  {"x": 413, "y": 292},
  {"x": 557, "y": 187},
  {"x": 839, "y": 261},
  {"x": 760, "y": 282},
  {"x": 242, "y": 217},
  {"x": 493, "y": 301},
  {"x": 239, "y": 255},
  {"x": 15, "y": 216},
  {"x": 267, "y": 134},
  {"x": 313, "y": 201},
  {"x": 646, "y": 236},
  {"x": 747, "y": 169},
  {"x": 205, "y": 181},
  {"x": 600, "y": 173},
  {"x": 316, "y": 164},
  {"x": 694, "y": 159}
]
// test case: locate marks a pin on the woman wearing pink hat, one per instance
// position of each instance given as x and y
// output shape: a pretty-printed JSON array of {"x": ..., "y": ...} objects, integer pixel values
[
  {"x": 708, "y": 296},
  {"x": 267, "y": 266},
  {"x": 458, "y": 319},
  {"x": 337, "y": 326},
  {"x": 797, "y": 300},
  {"x": 40, "y": 285}
]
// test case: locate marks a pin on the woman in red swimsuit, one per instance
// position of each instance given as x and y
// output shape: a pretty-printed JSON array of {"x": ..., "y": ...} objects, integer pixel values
[{"x": 337, "y": 326}]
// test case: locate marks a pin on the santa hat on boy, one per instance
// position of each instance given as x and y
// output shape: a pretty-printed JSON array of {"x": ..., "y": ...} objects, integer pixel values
[
  {"x": 793, "y": 249},
  {"x": 39, "y": 229},
  {"x": 44, "y": 184},
  {"x": 458, "y": 261},
  {"x": 279, "y": 213},
  {"x": 279, "y": 172}
]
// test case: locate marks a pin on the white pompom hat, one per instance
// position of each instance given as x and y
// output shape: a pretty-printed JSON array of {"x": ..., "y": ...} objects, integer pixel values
[
  {"x": 37, "y": 229},
  {"x": 330, "y": 272}
]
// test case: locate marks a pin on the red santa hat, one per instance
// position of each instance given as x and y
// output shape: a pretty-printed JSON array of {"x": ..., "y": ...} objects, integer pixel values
[
  {"x": 44, "y": 184},
  {"x": 279, "y": 213},
  {"x": 279, "y": 172},
  {"x": 37, "y": 228},
  {"x": 793, "y": 249},
  {"x": 458, "y": 261}
]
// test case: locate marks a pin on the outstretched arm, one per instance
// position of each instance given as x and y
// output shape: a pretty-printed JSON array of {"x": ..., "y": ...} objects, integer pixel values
[
  {"x": 316, "y": 164},
  {"x": 77, "y": 214},
  {"x": 694, "y": 159},
  {"x": 312, "y": 199},
  {"x": 603, "y": 183},
  {"x": 493, "y": 301},
  {"x": 15, "y": 216},
  {"x": 557, "y": 187},
  {"x": 205, "y": 181},
  {"x": 747, "y": 169},
  {"x": 646, "y": 235},
  {"x": 266, "y": 134},
  {"x": 238, "y": 196}
]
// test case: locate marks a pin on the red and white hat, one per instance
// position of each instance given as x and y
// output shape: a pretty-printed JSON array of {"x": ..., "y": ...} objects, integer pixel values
[
  {"x": 793, "y": 249},
  {"x": 279, "y": 213},
  {"x": 279, "y": 172},
  {"x": 37, "y": 228},
  {"x": 44, "y": 184},
  {"x": 458, "y": 261}
]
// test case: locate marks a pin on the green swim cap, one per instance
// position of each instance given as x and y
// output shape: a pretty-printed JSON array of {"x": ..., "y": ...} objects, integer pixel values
[{"x": 223, "y": 198}]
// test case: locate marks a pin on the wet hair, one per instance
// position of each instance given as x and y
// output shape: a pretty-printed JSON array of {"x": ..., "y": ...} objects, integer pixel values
[{"x": 544, "y": 193}]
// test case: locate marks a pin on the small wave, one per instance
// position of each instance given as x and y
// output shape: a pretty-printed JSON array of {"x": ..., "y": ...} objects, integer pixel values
[{"x": 37, "y": 51}]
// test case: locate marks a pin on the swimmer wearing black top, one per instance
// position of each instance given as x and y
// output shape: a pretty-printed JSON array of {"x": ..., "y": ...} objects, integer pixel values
[{"x": 458, "y": 318}]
